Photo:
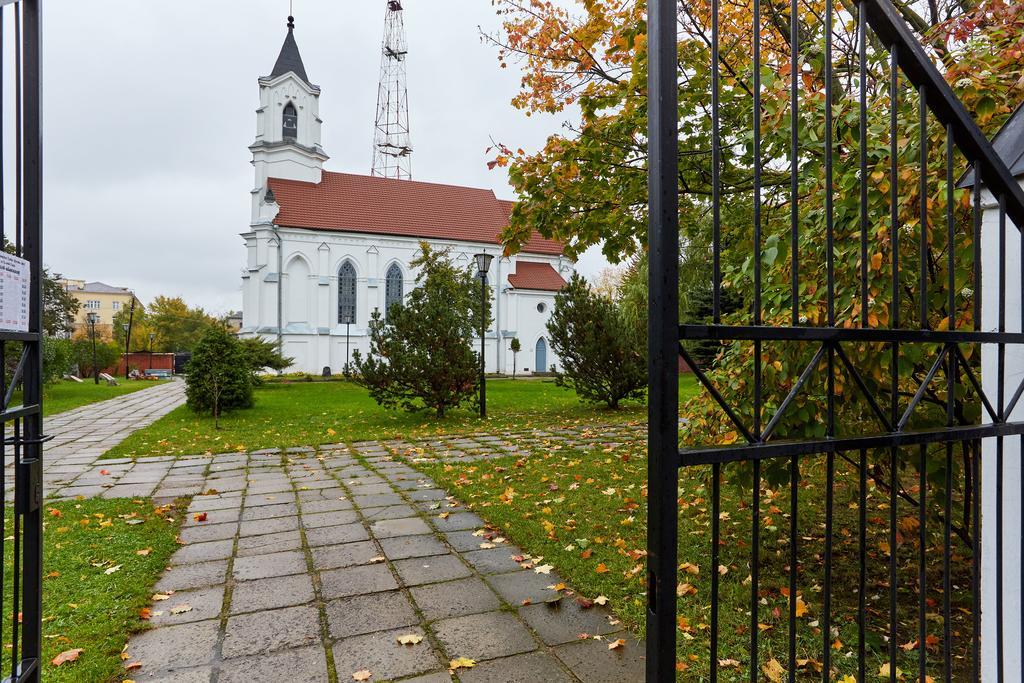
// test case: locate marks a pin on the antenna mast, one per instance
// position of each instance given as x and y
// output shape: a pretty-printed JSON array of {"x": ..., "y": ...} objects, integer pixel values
[{"x": 392, "y": 148}]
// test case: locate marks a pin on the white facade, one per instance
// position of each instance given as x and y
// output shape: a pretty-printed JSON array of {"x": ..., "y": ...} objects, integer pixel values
[{"x": 290, "y": 282}]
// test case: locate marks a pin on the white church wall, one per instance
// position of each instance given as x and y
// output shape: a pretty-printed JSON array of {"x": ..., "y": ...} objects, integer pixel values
[
  {"x": 310, "y": 295},
  {"x": 1009, "y": 476}
]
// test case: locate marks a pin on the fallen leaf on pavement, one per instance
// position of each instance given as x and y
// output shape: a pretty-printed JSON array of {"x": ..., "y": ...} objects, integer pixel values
[
  {"x": 461, "y": 663},
  {"x": 181, "y": 609},
  {"x": 616, "y": 644},
  {"x": 363, "y": 675},
  {"x": 409, "y": 639}
]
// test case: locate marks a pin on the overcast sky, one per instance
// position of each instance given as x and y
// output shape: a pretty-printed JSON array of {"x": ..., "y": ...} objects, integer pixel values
[{"x": 149, "y": 109}]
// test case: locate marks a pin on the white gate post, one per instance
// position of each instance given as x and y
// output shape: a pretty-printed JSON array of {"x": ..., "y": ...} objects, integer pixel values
[{"x": 1010, "y": 476}]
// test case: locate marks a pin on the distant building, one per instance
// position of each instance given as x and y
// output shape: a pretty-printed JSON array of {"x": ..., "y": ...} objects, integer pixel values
[
  {"x": 99, "y": 298},
  {"x": 233, "y": 321}
]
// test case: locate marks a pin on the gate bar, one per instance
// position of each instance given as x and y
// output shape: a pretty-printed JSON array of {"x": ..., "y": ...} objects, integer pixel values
[{"x": 663, "y": 335}]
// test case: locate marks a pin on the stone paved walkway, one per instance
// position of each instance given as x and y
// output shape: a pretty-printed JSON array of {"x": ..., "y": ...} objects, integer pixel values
[
  {"x": 310, "y": 564},
  {"x": 82, "y": 435}
]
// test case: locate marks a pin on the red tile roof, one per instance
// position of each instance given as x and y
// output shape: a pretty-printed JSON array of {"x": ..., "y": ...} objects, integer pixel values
[
  {"x": 346, "y": 202},
  {"x": 530, "y": 275}
]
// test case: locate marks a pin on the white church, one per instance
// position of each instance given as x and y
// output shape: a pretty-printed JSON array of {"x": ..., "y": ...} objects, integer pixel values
[{"x": 325, "y": 250}]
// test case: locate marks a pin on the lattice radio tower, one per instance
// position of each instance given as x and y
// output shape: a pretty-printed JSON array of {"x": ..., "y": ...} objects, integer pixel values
[{"x": 392, "y": 149}]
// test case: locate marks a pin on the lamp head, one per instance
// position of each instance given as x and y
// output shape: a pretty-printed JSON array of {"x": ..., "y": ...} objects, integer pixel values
[
  {"x": 483, "y": 263},
  {"x": 92, "y": 317}
]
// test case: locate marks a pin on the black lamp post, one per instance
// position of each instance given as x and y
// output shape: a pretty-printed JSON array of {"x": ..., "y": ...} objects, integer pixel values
[
  {"x": 348, "y": 339},
  {"x": 483, "y": 264},
  {"x": 92, "y": 317},
  {"x": 152, "y": 336},
  {"x": 125, "y": 327}
]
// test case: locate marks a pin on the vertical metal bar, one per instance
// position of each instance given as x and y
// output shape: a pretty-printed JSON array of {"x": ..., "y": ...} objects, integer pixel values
[
  {"x": 755, "y": 552},
  {"x": 716, "y": 163},
  {"x": 863, "y": 159},
  {"x": 794, "y": 161},
  {"x": 894, "y": 237},
  {"x": 794, "y": 479},
  {"x": 976, "y": 555},
  {"x": 893, "y": 510},
  {"x": 32, "y": 601},
  {"x": 716, "y": 513},
  {"x": 976, "y": 246},
  {"x": 951, "y": 377},
  {"x": 922, "y": 576},
  {"x": 826, "y": 645},
  {"x": 862, "y": 556},
  {"x": 1000, "y": 408},
  {"x": 663, "y": 340},
  {"x": 923, "y": 284}
]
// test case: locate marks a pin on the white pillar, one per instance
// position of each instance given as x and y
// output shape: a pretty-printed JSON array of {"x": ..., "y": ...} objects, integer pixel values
[{"x": 1010, "y": 476}]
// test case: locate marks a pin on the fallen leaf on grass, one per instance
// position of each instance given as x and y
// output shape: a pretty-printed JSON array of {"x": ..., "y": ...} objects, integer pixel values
[
  {"x": 145, "y": 613},
  {"x": 144, "y": 551},
  {"x": 724, "y": 663},
  {"x": 67, "y": 656},
  {"x": 601, "y": 600},
  {"x": 543, "y": 569},
  {"x": 461, "y": 663},
  {"x": 115, "y": 568},
  {"x": 601, "y": 568},
  {"x": 363, "y": 675},
  {"x": 409, "y": 639},
  {"x": 774, "y": 671}
]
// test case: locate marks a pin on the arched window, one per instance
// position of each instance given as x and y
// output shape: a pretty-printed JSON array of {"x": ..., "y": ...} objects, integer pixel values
[
  {"x": 393, "y": 290},
  {"x": 347, "y": 293},
  {"x": 290, "y": 126}
]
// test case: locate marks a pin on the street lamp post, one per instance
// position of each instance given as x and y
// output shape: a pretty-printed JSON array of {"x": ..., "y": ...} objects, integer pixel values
[
  {"x": 92, "y": 317},
  {"x": 348, "y": 338},
  {"x": 125, "y": 327},
  {"x": 483, "y": 264},
  {"x": 152, "y": 336}
]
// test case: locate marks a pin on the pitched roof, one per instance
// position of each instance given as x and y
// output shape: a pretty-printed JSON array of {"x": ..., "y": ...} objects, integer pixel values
[
  {"x": 102, "y": 288},
  {"x": 530, "y": 275},
  {"x": 345, "y": 202},
  {"x": 1009, "y": 146},
  {"x": 290, "y": 59}
]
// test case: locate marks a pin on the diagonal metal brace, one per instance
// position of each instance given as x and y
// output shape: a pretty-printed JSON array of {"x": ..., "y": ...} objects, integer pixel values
[{"x": 715, "y": 395}]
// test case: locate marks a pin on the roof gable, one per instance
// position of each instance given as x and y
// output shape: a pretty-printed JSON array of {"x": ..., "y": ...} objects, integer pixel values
[
  {"x": 531, "y": 275},
  {"x": 1008, "y": 144}
]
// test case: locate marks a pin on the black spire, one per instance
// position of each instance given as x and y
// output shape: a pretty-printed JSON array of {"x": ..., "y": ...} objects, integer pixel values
[{"x": 290, "y": 59}]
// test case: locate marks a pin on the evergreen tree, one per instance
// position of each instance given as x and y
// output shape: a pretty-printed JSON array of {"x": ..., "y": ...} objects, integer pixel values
[
  {"x": 515, "y": 347},
  {"x": 262, "y": 355},
  {"x": 219, "y": 376},
  {"x": 421, "y": 356},
  {"x": 603, "y": 355}
]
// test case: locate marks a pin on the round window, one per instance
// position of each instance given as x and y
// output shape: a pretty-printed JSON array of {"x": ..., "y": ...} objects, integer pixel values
[{"x": 541, "y": 307}]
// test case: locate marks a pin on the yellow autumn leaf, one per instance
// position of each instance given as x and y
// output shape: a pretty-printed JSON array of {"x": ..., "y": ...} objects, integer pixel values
[
  {"x": 461, "y": 663},
  {"x": 773, "y": 670}
]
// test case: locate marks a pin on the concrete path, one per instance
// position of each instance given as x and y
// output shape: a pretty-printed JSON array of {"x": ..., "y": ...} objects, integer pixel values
[{"x": 310, "y": 565}]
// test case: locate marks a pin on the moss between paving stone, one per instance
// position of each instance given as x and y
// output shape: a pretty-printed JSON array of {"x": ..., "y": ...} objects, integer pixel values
[{"x": 84, "y": 606}]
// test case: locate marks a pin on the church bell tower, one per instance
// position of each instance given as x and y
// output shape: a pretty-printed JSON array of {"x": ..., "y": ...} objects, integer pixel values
[{"x": 287, "y": 128}]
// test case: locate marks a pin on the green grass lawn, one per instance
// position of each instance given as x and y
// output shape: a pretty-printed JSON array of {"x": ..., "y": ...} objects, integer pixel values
[
  {"x": 66, "y": 395},
  {"x": 84, "y": 606},
  {"x": 585, "y": 513},
  {"x": 310, "y": 413}
]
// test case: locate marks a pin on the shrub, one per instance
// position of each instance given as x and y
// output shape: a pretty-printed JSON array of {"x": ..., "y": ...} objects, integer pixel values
[
  {"x": 219, "y": 375},
  {"x": 262, "y": 355},
  {"x": 421, "y": 356},
  {"x": 603, "y": 355},
  {"x": 515, "y": 347},
  {"x": 58, "y": 355},
  {"x": 107, "y": 355}
]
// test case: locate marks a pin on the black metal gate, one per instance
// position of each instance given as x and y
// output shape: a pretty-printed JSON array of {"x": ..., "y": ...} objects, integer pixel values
[
  {"x": 931, "y": 353},
  {"x": 21, "y": 337}
]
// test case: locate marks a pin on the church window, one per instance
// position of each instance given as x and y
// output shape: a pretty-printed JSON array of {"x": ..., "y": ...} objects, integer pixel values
[
  {"x": 290, "y": 129},
  {"x": 347, "y": 293},
  {"x": 392, "y": 287}
]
